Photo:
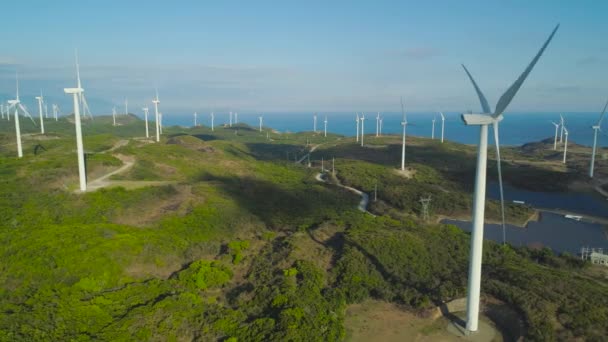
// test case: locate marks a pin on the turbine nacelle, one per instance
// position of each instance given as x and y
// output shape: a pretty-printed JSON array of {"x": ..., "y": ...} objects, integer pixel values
[
  {"x": 73, "y": 90},
  {"x": 480, "y": 119}
]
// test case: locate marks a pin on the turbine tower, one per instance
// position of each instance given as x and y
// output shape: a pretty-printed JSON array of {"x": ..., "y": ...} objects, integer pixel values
[
  {"x": 325, "y": 123},
  {"x": 114, "y": 116},
  {"x": 442, "y": 125},
  {"x": 46, "y": 111},
  {"x": 40, "y": 100},
  {"x": 362, "y": 128},
  {"x": 145, "y": 109},
  {"x": 483, "y": 120},
  {"x": 236, "y": 118},
  {"x": 212, "y": 125},
  {"x": 561, "y": 135},
  {"x": 380, "y": 126},
  {"x": 565, "y": 144},
  {"x": 555, "y": 139},
  {"x": 156, "y": 101},
  {"x": 195, "y": 119},
  {"x": 56, "y": 112},
  {"x": 377, "y": 124},
  {"x": 404, "y": 124},
  {"x": 76, "y": 95},
  {"x": 230, "y": 120},
  {"x": 314, "y": 123},
  {"x": 357, "y": 120},
  {"x": 261, "y": 122},
  {"x": 17, "y": 104},
  {"x": 596, "y": 128}
]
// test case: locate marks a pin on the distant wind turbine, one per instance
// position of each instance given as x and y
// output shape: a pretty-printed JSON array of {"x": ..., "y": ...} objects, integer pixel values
[
  {"x": 555, "y": 139},
  {"x": 314, "y": 123},
  {"x": 212, "y": 124},
  {"x": 156, "y": 101},
  {"x": 565, "y": 144},
  {"x": 377, "y": 124},
  {"x": 145, "y": 109},
  {"x": 404, "y": 125},
  {"x": 561, "y": 122},
  {"x": 195, "y": 119},
  {"x": 362, "y": 128},
  {"x": 357, "y": 120},
  {"x": 114, "y": 116},
  {"x": 77, "y": 95},
  {"x": 40, "y": 100},
  {"x": 16, "y": 103},
  {"x": 261, "y": 122},
  {"x": 442, "y": 125},
  {"x": 433, "y": 129},
  {"x": 230, "y": 119},
  {"x": 46, "y": 111},
  {"x": 381, "y": 126},
  {"x": 236, "y": 118},
  {"x": 596, "y": 128},
  {"x": 56, "y": 112},
  {"x": 325, "y": 122},
  {"x": 483, "y": 120}
]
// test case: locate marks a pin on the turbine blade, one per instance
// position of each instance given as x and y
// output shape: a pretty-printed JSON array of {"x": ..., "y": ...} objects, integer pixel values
[
  {"x": 599, "y": 122},
  {"x": 506, "y": 98},
  {"x": 484, "y": 103},
  {"x": 26, "y": 113},
  {"x": 498, "y": 167}
]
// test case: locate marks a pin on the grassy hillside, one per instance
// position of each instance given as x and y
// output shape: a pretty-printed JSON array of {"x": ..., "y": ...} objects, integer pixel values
[{"x": 239, "y": 243}]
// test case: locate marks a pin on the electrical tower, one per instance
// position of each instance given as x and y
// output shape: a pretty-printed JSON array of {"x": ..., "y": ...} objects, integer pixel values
[{"x": 425, "y": 207}]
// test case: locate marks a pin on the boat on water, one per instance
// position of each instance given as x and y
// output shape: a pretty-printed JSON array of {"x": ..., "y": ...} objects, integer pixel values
[
  {"x": 518, "y": 202},
  {"x": 574, "y": 217}
]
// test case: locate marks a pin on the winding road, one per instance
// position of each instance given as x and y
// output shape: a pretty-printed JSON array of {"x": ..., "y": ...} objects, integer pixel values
[{"x": 364, "y": 197}]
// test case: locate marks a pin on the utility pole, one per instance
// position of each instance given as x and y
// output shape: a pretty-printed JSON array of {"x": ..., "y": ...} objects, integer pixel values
[{"x": 425, "y": 207}]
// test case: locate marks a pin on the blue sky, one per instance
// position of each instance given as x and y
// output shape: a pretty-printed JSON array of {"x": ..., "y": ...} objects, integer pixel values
[{"x": 306, "y": 56}]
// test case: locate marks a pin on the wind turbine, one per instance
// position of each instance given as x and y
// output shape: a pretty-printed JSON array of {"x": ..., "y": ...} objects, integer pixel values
[
  {"x": 377, "y": 124},
  {"x": 555, "y": 139},
  {"x": 195, "y": 119},
  {"x": 56, "y": 112},
  {"x": 362, "y": 128},
  {"x": 261, "y": 122},
  {"x": 325, "y": 122},
  {"x": 433, "y": 129},
  {"x": 561, "y": 135},
  {"x": 17, "y": 104},
  {"x": 381, "y": 126},
  {"x": 404, "y": 124},
  {"x": 236, "y": 118},
  {"x": 76, "y": 95},
  {"x": 314, "y": 123},
  {"x": 114, "y": 116},
  {"x": 483, "y": 120},
  {"x": 83, "y": 100},
  {"x": 357, "y": 120},
  {"x": 596, "y": 128},
  {"x": 565, "y": 144},
  {"x": 46, "y": 111},
  {"x": 156, "y": 101},
  {"x": 145, "y": 109},
  {"x": 212, "y": 125},
  {"x": 40, "y": 99},
  {"x": 230, "y": 119},
  {"x": 442, "y": 125}
]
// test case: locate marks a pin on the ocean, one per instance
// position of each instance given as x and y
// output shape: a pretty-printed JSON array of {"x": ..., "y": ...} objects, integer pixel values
[{"x": 516, "y": 128}]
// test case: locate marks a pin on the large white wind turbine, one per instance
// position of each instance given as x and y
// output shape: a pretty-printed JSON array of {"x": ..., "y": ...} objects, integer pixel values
[
  {"x": 82, "y": 98},
  {"x": 442, "y": 125},
  {"x": 145, "y": 109},
  {"x": 596, "y": 128},
  {"x": 16, "y": 103},
  {"x": 40, "y": 100},
  {"x": 404, "y": 125},
  {"x": 156, "y": 101},
  {"x": 357, "y": 120},
  {"x": 433, "y": 129},
  {"x": 56, "y": 112},
  {"x": 555, "y": 139},
  {"x": 325, "y": 123},
  {"x": 77, "y": 95},
  {"x": 483, "y": 120},
  {"x": 565, "y": 144}
]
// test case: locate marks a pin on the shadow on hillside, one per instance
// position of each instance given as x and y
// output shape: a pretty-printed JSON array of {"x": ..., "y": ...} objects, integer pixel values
[
  {"x": 282, "y": 208},
  {"x": 206, "y": 137},
  {"x": 265, "y": 151}
]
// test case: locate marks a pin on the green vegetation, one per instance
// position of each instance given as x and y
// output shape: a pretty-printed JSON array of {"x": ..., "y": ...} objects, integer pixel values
[{"x": 245, "y": 245}]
